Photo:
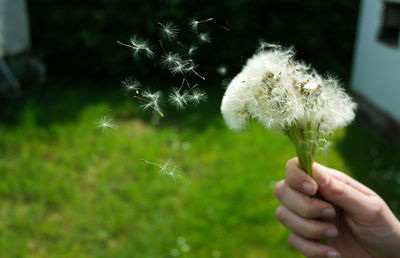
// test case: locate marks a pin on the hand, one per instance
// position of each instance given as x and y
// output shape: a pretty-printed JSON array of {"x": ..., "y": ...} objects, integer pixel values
[{"x": 353, "y": 219}]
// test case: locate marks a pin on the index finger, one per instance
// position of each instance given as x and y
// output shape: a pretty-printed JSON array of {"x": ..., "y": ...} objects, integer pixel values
[{"x": 299, "y": 179}]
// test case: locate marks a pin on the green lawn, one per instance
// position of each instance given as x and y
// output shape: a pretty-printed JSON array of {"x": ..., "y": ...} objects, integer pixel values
[{"x": 69, "y": 190}]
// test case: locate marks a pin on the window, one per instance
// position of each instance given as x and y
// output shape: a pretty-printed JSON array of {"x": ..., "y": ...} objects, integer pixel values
[{"x": 390, "y": 28}]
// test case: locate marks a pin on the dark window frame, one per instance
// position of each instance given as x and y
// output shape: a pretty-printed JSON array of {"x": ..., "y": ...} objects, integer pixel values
[{"x": 389, "y": 32}]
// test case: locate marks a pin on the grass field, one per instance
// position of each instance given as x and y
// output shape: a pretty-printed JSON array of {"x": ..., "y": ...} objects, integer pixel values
[{"x": 69, "y": 190}]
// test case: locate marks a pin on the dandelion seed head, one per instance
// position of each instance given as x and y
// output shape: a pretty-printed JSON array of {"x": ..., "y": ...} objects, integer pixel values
[
  {"x": 222, "y": 70},
  {"x": 105, "y": 123},
  {"x": 181, "y": 240},
  {"x": 279, "y": 91},
  {"x": 192, "y": 49},
  {"x": 169, "y": 169},
  {"x": 141, "y": 46},
  {"x": 204, "y": 37},
  {"x": 152, "y": 96},
  {"x": 197, "y": 95},
  {"x": 169, "y": 31},
  {"x": 178, "y": 99},
  {"x": 130, "y": 84},
  {"x": 193, "y": 24},
  {"x": 185, "y": 248},
  {"x": 174, "y": 252},
  {"x": 178, "y": 68},
  {"x": 171, "y": 59}
]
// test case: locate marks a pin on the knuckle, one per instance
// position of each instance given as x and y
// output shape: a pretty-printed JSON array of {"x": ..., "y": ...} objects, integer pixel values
[
  {"x": 339, "y": 189},
  {"x": 377, "y": 208}
]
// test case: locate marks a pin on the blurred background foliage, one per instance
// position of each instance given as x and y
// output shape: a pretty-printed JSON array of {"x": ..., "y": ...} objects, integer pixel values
[{"x": 78, "y": 38}]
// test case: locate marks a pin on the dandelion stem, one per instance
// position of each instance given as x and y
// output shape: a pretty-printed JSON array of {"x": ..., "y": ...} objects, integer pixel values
[
  {"x": 206, "y": 20},
  {"x": 152, "y": 163},
  {"x": 182, "y": 45},
  {"x": 198, "y": 75},
  {"x": 162, "y": 46},
  {"x": 137, "y": 97},
  {"x": 187, "y": 82},
  {"x": 127, "y": 45}
]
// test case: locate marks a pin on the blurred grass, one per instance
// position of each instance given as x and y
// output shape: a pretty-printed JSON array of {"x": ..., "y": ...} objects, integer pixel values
[{"x": 69, "y": 190}]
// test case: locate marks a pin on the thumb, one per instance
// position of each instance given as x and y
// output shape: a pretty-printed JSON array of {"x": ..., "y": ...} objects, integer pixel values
[{"x": 339, "y": 193}]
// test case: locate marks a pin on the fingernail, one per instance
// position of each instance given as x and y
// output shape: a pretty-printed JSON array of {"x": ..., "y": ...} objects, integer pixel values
[
  {"x": 328, "y": 213},
  {"x": 331, "y": 232},
  {"x": 308, "y": 188},
  {"x": 332, "y": 254}
]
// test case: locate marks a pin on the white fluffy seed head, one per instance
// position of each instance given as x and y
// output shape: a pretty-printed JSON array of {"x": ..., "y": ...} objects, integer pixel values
[
  {"x": 168, "y": 31},
  {"x": 178, "y": 99},
  {"x": 279, "y": 91},
  {"x": 196, "y": 96}
]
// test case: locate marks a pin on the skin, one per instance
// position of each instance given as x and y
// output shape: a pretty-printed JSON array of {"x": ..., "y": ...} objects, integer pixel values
[{"x": 350, "y": 219}]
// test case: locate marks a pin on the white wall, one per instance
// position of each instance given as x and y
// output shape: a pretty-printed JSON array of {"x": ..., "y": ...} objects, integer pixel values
[
  {"x": 14, "y": 29},
  {"x": 376, "y": 66}
]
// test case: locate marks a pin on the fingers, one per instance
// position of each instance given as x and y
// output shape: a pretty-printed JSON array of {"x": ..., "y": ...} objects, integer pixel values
[
  {"x": 308, "y": 228},
  {"x": 345, "y": 179},
  {"x": 302, "y": 204},
  {"x": 310, "y": 248},
  {"x": 341, "y": 194},
  {"x": 299, "y": 179}
]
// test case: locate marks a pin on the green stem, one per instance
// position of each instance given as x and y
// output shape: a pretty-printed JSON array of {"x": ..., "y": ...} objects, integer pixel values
[{"x": 304, "y": 143}]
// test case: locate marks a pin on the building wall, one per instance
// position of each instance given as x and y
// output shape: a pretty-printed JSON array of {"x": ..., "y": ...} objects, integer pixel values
[
  {"x": 376, "y": 67},
  {"x": 14, "y": 28}
]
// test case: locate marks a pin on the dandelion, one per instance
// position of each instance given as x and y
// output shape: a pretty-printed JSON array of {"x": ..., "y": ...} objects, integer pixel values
[
  {"x": 191, "y": 69},
  {"x": 169, "y": 31},
  {"x": 193, "y": 24},
  {"x": 287, "y": 96},
  {"x": 168, "y": 168},
  {"x": 139, "y": 46},
  {"x": 192, "y": 49},
  {"x": 131, "y": 85},
  {"x": 204, "y": 37},
  {"x": 262, "y": 45},
  {"x": 151, "y": 100},
  {"x": 178, "y": 99},
  {"x": 222, "y": 70},
  {"x": 170, "y": 59},
  {"x": 197, "y": 95},
  {"x": 105, "y": 123},
  {"x": 178, "y": 68}
]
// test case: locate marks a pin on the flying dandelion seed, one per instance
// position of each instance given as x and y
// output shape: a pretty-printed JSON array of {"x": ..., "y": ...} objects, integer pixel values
[
  {"x": 196, "y": 96},
  {"x": 171, "y": 59},
  {"x": 179, "y": 100},
  {"x": 204, "y": 37},
  {"x": 169, "y": 31},
  {"x": 139, "y": 46},
  {"x": 130, "y": 85},
  {"x": 225, "y": 83},
  {"x": 262, "y": 45},
  {"x": 193, "y": 24},
  {"x": 191, "y": 51},
  {"x": 168, "y": 168},
  {"x": 178, "y": 68},
  {"x": 151, "y": 100},
  {"x": 105, "y": 123},
  {"x": 222, "y": 70}
]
